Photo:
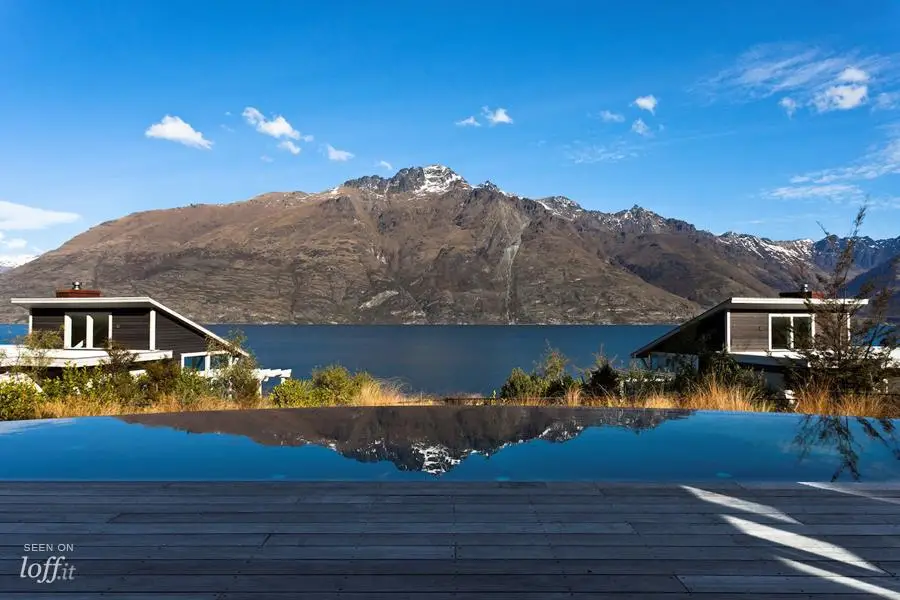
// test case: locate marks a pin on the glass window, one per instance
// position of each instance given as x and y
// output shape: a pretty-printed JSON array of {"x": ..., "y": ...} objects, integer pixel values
[
  {"x": 218, "y": 361},
  {"x": 781, "y": 333},
  {"x": 100, "y": 330},
  {"x": 78, "y": 331},
  {"x": 802, "y": 332},
  {"x": 194, "y": 363}
]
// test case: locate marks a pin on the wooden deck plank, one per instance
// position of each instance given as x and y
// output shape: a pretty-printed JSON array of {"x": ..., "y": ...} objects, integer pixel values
[
  {"x": 439, "y": 540},
  {"x": 762, "y": 584}
]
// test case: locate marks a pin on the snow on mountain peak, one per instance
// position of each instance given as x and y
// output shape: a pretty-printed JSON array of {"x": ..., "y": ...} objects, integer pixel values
[
  {"x": 11, "y": 261},
  {"x": 784, "y": 251},
  {"x": 433, "y": 179},
  {"x": 561, "y": 206},
  {"x": 640, "y": 220},
  {"x": 439, "y": 180}
]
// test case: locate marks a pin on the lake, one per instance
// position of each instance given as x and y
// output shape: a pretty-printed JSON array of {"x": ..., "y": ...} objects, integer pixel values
[{"x": 435, "y": 359}]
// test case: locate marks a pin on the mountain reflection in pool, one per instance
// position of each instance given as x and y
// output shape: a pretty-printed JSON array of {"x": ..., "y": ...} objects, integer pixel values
[{"x": 453, "y": 443}]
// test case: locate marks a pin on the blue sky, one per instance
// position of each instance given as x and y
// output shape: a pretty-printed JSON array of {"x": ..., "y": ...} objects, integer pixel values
[{"x": 763, "y": 117}]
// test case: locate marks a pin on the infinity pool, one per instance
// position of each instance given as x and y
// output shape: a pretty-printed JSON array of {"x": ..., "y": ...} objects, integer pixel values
[{"x": 452, "y": 443}]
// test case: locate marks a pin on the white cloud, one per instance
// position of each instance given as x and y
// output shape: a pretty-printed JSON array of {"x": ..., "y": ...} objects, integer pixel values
[
  {"x": 824, "y": 79},
  {"x": 290, "y": 147},
  {"x": 278, "y": 127},
  {"x": 789, "y": 105},
  {"x": 227, "y": 128},
  {"x": 610, "y": 117},
  {"x": 841, "y": 97},
  {"x": 176, "y": 130},
  {"x": 384, "y": 165},
  {"x": 15, "y": 243},
  {"x": 593, "y": 153},
  {"x": 843, "y": 183},
  {"x": 266, "y": 159},
  {"x": 20, "y": 217},
  {"x": 833, "y": 191},
  {"x": 887, "y": 101},
  {"x": 641, "y": 128},
  {"x": 647, "y": 103},
  {"x": 853, "y": 75},
  {"x": 339, "y": 155},
  {"x": 496, "y": 117},
  {"x": 469, "y": 122}
]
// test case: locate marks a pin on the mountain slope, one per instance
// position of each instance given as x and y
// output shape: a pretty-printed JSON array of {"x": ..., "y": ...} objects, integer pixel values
[{"x": 422, "y": 246}]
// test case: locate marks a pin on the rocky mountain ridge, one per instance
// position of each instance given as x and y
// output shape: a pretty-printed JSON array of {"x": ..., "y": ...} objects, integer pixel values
[{"x": 421, "y": 246}]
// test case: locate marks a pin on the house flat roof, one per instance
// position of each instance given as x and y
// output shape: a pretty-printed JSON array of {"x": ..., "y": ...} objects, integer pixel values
[
  {"x": 738, "y": 303},
  {"x": 112, "y": 301}
]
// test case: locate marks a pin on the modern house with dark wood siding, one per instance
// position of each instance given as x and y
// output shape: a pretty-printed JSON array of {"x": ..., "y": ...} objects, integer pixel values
[
  {"x": 759, "y": 333},
  {"x": 89, "y": 322}
]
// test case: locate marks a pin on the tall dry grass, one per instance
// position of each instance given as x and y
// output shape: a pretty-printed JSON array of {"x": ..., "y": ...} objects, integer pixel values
[
  {"x": 713, "y": 394},
  {"x": 815, "y": 400},
  {"x": 379, "y": 393},
  {"x": 371, "y": 394},
  {"x": 79, "y": 406}
]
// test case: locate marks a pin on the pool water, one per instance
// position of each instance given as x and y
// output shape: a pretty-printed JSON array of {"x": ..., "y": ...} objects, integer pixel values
[{"x": 454, "y": 444}]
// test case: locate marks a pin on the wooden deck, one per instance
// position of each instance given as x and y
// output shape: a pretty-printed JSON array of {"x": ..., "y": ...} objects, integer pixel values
[{"x": 463, "y": 541}]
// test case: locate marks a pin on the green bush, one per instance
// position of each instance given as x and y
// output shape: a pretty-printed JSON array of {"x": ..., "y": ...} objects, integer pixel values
[
  {"x": 160, "y": 379},
  {"x": 18, "y": 401},
  {"x": 332, "y": 386},
  {"x": 238, "y": 382},
  {"x": 295, "y": 393},
  {"x": 601, "y": 381},
  {"x": 337, "y": 384},
  {"x": 520, "y": 385},
  {"x": 191, "y": 386},
  {"x": 549, "y": 379}
]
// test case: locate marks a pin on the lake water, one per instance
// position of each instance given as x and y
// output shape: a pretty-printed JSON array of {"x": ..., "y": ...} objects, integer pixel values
[
  {"x": 452, "y": 443},
  {"x": 436, "y": 359}
]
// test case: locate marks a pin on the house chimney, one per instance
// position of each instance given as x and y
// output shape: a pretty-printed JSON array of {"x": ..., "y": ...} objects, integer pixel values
[
  {"x": 804, "y": 292},
  {"x": 76, "y": 291}
]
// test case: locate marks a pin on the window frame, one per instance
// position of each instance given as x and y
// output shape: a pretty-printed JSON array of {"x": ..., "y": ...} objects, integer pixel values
[
  {"x": 89, "y": 324},
  {"x": 791, "y": 316}
]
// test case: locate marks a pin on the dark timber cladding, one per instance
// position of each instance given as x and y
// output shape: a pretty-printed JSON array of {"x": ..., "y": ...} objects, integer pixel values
[
  {"x": 750, "y": 326},
  {"x": 131, "y": 327},
  {"x": 178, "y": 337},
  {"x": 47, "y": 319},
  {"x": 724, "y": 540}
]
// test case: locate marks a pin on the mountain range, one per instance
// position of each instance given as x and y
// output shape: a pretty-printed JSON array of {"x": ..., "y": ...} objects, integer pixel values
[{"x": 424, "y": 246}]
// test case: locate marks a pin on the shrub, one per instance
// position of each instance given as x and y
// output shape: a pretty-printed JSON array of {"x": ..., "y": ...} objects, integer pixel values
[
  {"x": 237, "y": 382},
  {"x": 18, "y": 401},
  {"x": 160, "y": 379},
  {"x": 337, "y": 384},
  {"x": 601, "y": 381},
  {"x": 520, "y": 385},
  {"x": 190, "y": 386},
  {"x": 295, "y": 393}
]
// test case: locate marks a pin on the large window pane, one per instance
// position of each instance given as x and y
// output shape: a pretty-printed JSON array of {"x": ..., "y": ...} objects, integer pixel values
[
  {"x": 101, "y": 329},
  {"x": 802, "y": 332},
  {"x": 781, "y": 327},
  {"x": 78, "y": 330},
  {"x": 194, "y": 363},
  {"x": 218, "y": 361}
]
